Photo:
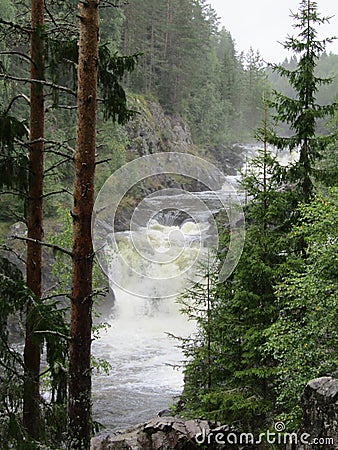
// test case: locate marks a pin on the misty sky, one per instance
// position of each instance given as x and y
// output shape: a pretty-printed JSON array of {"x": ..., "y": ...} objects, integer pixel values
[{"x": 260, "y": 24}]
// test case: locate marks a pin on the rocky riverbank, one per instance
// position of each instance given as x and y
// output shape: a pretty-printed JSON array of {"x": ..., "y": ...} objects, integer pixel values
[
  {"x": 319, "y": 429},
  {"x": 167, "y": 433}
]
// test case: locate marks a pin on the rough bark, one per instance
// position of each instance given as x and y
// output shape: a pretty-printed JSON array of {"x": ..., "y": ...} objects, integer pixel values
[
  {"x": 31, "y": 399},
  {"x": 81, "y": 321}
]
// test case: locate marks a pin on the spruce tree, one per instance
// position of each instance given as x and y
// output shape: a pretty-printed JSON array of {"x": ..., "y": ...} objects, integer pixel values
[
  {"x": 229, "y": 348},
  {"x": 302, "y": 111}
]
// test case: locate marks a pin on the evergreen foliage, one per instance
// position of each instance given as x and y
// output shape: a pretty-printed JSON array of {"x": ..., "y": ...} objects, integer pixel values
[
  {"x": 304, "y": 338},
  {"x": 273, "y": 320},
  {"x": 13, "y": 162},
  {"x": 51, "y": 334},
  {"x": 301, "y": 112},
  {"x": 193, "y": 69},
  {"x": 271, "y": 326},
  {"x": 242, "y": 310}
]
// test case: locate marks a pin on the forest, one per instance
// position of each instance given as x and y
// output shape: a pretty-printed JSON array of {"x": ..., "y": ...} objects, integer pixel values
[{"x": 76, "y": 80}]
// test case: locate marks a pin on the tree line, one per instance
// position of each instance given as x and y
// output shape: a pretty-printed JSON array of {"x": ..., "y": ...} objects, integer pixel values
[{"x": 193, "y": 68}]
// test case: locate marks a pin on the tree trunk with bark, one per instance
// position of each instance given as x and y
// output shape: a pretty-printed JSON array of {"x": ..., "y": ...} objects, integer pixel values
[
  {"x": 31, "y": 398},
  {"x": 79, "y": 432}
]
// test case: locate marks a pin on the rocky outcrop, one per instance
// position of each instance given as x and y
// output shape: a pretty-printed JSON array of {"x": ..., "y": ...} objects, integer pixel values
[
  {"x": 153, "y": 131},
  {"x": 320, "y": 415},
  {"x": 167, "y": 433}
]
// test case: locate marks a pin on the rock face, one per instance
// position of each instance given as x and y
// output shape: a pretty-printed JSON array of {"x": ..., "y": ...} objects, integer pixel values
[
  {"x": 153, "y": 131},
  {"x": 320, "y": 414},
  {"x": 166, "y": 433}
]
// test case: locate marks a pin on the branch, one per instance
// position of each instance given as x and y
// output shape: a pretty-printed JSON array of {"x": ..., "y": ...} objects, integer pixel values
[
  {"x": 16, "y": 193},
  {"x": 10, "y": 369},
  {"x": 107, "y": 4},
  {"x": 13, "y": 353},
  {"x": 64, "y": 155},
  {"x": 17, "y": 216},
  {"x": 61, "y": 144},
  {"x": 67, "y": 107},
  {"x": 15, "y": 26},
  {"x": 16, "y": 98},
  {"x": 50, "y": 297},
  {"x": 61, "y": 191},
  {"x": 42, "y": 82},
  {"x": 54, "y": 166},
  {"x": 50, "y": 15},
  {"x": 44, "y": 244},
  {"x": 55, "y": 333},
  {"x": 103, "y": 161},
  {"x": 23, "y": 55},
  {"x": 10, "y": 250}
]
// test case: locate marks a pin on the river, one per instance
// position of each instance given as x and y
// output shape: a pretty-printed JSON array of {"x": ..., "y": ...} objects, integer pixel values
[{"x": 148, "y": 266}]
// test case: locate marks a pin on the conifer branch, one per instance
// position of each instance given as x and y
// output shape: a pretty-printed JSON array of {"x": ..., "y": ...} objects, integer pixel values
[
  {"x": 56, "y": 152},
  {"x": 61, "y": 191},
  {"x": 44, "y": 244},
  {"x": 15, "y": 26},
  {"x": 103, "y": 161},
  {"x": 54, "y": 333},
  {"x": 16, "y": 98},
  {"x": 5, "y": 248},
  {"x": 42, "y": 82},
  {"x": 58, "y": 164},
  {"x": 50, "y": 297},
  {"x": 67, "y": 106},
  {"x": 15, "y": 192},
  {"x": 16, "y": 53}
]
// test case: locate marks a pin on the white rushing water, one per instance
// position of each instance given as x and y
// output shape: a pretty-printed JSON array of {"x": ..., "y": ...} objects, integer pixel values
[
  {"x": 145, "y": 377},
  {"x": 148, "y": 266}
]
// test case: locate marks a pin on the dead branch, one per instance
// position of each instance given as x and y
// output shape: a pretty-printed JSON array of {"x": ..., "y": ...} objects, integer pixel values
[
  {"x": 16, "y": 98},
  {"x": 15, "y": 26},
  {"x": 22, "y": 55},
  {"x": 103, "y": 161},
  {"x": 42, "y": 82},
  {"x": 61, "y": 191},
  {"x": 58, "y": 164},
  {"x": 5, "y": 248},
  {"x": 44, "y": 244}
]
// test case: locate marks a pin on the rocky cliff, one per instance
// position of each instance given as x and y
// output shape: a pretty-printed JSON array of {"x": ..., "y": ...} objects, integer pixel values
[{"x": 153, "y": 131}]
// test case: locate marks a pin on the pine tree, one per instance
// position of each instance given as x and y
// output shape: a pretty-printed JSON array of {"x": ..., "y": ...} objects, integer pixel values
[
  {"x": 197, "y": 303},
  {"x": 32, "y": 351}
]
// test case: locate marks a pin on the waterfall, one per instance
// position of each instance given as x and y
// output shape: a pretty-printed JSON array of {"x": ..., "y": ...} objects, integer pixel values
[
  {"x": 170, "y": 234},
  {"x": 145, "y": 374}
]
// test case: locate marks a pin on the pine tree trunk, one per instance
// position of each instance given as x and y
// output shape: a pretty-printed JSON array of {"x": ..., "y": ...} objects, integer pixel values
[
  {"x": 31, "y": 398},
  {"x": 81, "y": 321}
]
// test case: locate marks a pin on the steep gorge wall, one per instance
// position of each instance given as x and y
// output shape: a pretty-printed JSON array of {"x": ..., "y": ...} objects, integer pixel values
[{"x": 152, "y": 131}]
